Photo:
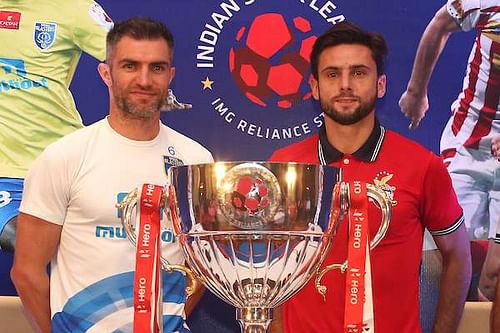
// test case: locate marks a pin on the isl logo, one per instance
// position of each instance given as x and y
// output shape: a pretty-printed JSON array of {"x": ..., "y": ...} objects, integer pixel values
[
  {"x": 253, "y": 61},
  {"x": 270, "y": 61},
  {"x": 249, "y": 196}
]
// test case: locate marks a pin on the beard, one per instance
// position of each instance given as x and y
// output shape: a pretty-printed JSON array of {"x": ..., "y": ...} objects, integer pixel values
[
  {"x": 346, "y": 118},
  {"x": 138, "y": 110}
]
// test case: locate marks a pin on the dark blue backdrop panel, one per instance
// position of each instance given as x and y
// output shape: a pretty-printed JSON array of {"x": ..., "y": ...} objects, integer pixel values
[
  {"x": 401, "y": 23},
  {"x": 249, "y": 111},
  {"x": 227, "y": 135}
]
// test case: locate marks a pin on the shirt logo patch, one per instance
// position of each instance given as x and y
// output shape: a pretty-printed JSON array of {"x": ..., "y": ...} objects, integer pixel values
[
  {"x": 171, "y": 161},
  {"x": 9, "y": 20},
  {"x": 44, "y": 35},
  {"x": 381, "y": 180}
]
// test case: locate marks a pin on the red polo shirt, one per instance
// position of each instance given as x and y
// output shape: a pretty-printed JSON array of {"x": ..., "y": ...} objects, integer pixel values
[{"x": 422, "y": 197}]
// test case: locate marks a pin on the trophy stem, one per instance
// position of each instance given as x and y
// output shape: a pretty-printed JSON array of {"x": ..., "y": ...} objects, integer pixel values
[{"x": 254, "y": 320}]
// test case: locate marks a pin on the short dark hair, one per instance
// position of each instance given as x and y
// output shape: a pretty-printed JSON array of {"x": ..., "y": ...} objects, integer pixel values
[
  {"x": 140, "y": 28},
  {"x": 349, "y": 33}
]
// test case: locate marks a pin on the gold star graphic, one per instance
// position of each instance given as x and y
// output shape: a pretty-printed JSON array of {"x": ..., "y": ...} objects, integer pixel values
[{"x": 207, "y": 84}]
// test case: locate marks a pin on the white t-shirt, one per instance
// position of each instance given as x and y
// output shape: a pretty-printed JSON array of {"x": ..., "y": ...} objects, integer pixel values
[{"x": 76, "y": 182}]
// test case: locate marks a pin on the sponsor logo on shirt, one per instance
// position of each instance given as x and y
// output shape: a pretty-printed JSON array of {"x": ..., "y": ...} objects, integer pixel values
[
  {"x": 113, "y": 232},
  {"x": 97, "y": 13},
  {"x": 22, "y": 84},
  {"x": 9, "y": 20},
  {"x": 17, "y": 67},
  {"x": 44, "y": 35},
  {"x": 10, "y": 65}
]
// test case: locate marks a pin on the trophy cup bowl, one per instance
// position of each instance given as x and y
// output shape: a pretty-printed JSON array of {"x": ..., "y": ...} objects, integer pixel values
[{"x": 255, "y": 232}]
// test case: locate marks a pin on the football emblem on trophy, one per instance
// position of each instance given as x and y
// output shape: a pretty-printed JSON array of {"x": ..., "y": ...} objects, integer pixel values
[
  {"x": 250, "y": 197},
  {"x": 270, "y": 49}
]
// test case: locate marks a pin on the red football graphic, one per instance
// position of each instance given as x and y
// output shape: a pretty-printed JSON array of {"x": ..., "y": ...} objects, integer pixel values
[
  {"x": 270, "y": 63},
  {"x": 250, "y": 195}
]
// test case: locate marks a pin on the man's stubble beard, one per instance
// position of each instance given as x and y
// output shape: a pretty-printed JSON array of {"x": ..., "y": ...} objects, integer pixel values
[
  {"x": 134, "y": 111},
  {"x": 364, "y": 109}
]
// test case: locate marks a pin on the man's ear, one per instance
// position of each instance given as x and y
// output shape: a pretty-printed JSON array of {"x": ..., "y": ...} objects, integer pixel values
[
  {"x": 105, "y": 73},
  {"x": 381, "y": 84},
  {"x": 313, "y": 83},
  {"x": 172, "y": 75}
]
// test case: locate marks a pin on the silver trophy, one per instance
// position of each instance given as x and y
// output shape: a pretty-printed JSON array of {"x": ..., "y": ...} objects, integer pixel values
[{"x": 255, "y": 232}]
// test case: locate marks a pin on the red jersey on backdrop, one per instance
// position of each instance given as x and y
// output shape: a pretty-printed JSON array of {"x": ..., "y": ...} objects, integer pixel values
[
  {"x": 476, "y": 111},
  {"x": 422, "y": 196}
]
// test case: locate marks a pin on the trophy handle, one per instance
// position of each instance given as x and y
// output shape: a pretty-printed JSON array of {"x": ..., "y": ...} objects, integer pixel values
[
  {"x": 384, "y": 203},
  {"x": 321, "y": 288},
  {"x": 193, "y": 284},
  {"x": 128, "y": 207}
]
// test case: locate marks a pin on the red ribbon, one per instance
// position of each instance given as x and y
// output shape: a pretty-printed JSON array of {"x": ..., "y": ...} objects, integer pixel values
[
  {"x": 147, "y": 282},
  {"x": 356, "y": 255}
]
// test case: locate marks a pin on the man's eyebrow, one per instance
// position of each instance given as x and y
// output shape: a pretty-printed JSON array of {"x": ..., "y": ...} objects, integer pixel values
[
  {"x": 356, "y": 66},
  {"x": 132, "y": 61},
  {"x": 360, "y": 66},
  {"x": 127, "y": 61},
  {"x": 161, "y": 62}
]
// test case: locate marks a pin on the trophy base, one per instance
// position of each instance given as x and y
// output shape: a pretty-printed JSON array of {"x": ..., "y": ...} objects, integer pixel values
[{"x": 254, "y": 320}]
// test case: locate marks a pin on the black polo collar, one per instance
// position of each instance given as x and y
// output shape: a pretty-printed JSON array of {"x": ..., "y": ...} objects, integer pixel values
[{"x": 368, "y": 152}]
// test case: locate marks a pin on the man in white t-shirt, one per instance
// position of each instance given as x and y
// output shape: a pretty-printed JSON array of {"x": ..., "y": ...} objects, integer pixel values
[{"x": 68, "y": 215}]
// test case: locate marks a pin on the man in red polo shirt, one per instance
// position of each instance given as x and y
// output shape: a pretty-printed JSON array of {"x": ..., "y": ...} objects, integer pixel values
[{"x": 348, "y": 77}]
